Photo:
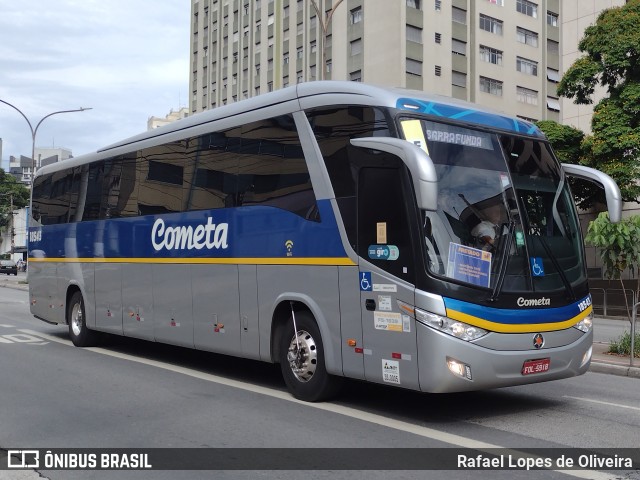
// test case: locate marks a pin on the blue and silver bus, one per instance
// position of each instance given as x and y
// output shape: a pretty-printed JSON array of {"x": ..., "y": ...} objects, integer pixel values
[{"x": 336, "y": 228}]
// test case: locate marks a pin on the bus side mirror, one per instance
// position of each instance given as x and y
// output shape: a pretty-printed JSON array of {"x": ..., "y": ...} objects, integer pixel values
[
  {"x": 423, "y": 173},
  {"x": 611, "y": 190}
]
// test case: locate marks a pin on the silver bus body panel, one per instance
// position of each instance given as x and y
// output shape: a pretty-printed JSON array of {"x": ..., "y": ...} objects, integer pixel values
[
  {"x": 524, "y": 341},
  {"x": 351, "y": 322},
  {"x": 317, "y": 290},
  {"x": 137, "y": 300}
]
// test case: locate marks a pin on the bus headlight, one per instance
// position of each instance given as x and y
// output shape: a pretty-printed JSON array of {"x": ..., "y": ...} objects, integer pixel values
[
  {"x": 457, "y": 329},
  {"x": 585, "y": 324}
]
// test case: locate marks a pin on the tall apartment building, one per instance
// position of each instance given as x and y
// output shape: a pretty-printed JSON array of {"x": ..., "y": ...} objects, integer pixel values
[
  {"x": 502, "y": 54},
  {"x": 23, "y": 167}
]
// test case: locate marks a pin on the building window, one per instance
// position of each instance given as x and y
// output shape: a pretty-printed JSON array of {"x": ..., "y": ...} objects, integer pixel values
[
  {"x": 299, "y": 29},
  {"x": 312, "y": 72},
  {"x": 438, "y": 70},
  {"x": 459, "y": 79},
  {"x": 438, "y": 38},
  {"x": 491, "y": 85},
  {"x": 356, "y": 76},
  {"x": 459, "y": 15},
  {"x": 270, "y": 86},
  {"x": 414, "y": 67},
  {"x": 299, "y": 77},
  {"x": 527, "y": 36},
  {"x": 528, "y": 67},
  {"x": 413, "y": 4},
  {"x": 497, "y": 2},
  {"x": 299, "y": 53},
  {"x": 414, "y": 34},
  {"x": 312, "y": 46},
  {"x": 438, "y": 5},
  {"x": 528, "y": 8},
  {"x": 553, "y": 104},
  {"x": 458, "y": 47},
  {"x": 285, "y": 59},
  {"x": 552, "y": 19},
  {"x": 490, "y": 24},
  {"x": 356, "y": 47},
  {"x": 553, "y": 47},
  {"x": 490, "y": 55},
  {"x": 356, "y": 15},
  {"x": 526, "y": 95},
  {"x": 553, "y": 75}
]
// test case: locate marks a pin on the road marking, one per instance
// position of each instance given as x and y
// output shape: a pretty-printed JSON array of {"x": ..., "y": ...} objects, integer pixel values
[
  {"x": 602, "y": 403},
  {"x": 400, "y": 425},
  {"x": 6, "y": 326}
]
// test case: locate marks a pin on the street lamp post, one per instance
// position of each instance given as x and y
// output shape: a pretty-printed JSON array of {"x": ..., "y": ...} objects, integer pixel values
[
  {"x": 34, "y": 131},
  {"x": 325, "y": 22}
]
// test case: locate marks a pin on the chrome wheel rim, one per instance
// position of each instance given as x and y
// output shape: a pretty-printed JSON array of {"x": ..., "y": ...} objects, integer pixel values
[
  {"x": 76, "y": 319},
  {"x": 302, "y": 356}
]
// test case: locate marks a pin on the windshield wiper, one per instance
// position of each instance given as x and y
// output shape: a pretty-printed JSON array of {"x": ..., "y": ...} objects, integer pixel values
[
  {"x": 554, "y": 260},
  {"x": 503, "y": 263}
]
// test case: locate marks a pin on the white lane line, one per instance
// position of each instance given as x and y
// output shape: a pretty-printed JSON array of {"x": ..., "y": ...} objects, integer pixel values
[
  {"x": 602, "y": 403},
  {"x": 400, "y": 425},
  {"x": 6, "y": 326}
]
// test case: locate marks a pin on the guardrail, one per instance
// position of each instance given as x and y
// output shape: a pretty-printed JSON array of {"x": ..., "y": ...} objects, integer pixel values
[{"x": 605, "y": 299}]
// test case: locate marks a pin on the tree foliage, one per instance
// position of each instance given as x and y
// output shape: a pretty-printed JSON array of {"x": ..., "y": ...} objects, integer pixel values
[
  {"x": 11, "y": 188},
  {"x": 611, "y": 59},
  {"x": 619, "y": 245}
]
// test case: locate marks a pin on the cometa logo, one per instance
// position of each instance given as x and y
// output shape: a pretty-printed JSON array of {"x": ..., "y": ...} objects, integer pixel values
[
  {"x": 209, "y": 236},
  {"x": 533, "y": 302}
]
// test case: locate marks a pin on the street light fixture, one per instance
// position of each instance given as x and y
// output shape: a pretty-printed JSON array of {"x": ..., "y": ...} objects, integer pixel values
[{"x": 34, "y": 131}]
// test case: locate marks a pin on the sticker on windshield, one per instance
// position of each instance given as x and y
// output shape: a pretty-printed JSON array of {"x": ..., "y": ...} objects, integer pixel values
[
  {"x": 383, "y": 252},
  {"x": 468, "y": 264},
  {"x": 537, "y": 268},
  {"x": 413, "y": 133}
]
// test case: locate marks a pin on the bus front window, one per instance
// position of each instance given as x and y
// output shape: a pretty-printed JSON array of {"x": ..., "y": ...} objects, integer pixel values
[{"x": 504, "y": 221}]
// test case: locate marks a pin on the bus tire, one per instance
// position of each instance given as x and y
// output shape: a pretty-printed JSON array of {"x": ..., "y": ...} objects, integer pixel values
[
  {"x": 304, "y": 369},
  {"x": 80, "y": 335}
]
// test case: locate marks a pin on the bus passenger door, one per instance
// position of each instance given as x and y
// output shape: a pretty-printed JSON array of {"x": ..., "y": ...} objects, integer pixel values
[{"x": 387, "y": 271}]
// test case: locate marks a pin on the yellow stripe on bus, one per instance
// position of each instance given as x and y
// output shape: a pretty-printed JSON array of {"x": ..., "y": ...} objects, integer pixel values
[
  {"x": 518, "y": 328},
  {"x": 226, "y": 261}
]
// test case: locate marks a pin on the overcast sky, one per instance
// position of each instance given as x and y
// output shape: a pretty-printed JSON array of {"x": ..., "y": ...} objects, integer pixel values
[{"x": 127, "y": 59}]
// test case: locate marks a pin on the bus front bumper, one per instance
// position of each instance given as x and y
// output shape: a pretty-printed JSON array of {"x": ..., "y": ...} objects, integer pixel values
[{"x": 447, "y": 364}]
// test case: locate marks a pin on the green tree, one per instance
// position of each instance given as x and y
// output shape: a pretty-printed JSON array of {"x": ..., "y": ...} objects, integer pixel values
[
  {"x": 567, "y": 143},
  {"x": 611, "y": 59},
  {"x": 11, "y": 190},
  {"x": 619, "y": 245}
]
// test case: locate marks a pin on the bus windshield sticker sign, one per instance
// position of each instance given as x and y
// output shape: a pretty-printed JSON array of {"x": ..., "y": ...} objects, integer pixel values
[
  {"x": 470, "y": 265},
  {"x": 383, "y": 252},
  {"x": 537, "y": 268},
  {"x": 412, "y": 130}
]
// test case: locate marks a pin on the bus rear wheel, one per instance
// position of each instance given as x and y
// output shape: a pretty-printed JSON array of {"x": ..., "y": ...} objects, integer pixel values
[
  {"x": 302, "y": 361},
  {"x": 80, "y": 335}
]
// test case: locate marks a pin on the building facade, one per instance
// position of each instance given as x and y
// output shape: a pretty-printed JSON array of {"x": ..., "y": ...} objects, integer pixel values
[
  {"x": 502, "y": 54},
  {"x": 172, "y": 116},
  {"x": 23, "y": 167}
]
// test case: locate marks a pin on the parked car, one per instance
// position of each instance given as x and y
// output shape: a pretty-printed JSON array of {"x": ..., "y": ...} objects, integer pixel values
[{"x": 8, "y": 267}]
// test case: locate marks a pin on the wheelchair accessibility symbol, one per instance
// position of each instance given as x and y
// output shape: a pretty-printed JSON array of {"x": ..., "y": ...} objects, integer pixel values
[
  {"x": 537, "y": 268},
  {"x": 365, "y": 282}
]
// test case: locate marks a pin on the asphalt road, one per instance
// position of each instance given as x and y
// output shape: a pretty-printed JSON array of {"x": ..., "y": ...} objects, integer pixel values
[{"x": 135, "y": 394}]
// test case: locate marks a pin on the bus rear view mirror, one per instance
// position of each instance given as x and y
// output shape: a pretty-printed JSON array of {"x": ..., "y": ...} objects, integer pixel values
[
  {"x": 423, "y": 173},
  {"x": 611, "y": 190}
]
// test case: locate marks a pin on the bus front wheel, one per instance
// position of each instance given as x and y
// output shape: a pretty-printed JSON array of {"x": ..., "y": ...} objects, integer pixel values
[
  {"x": 80, "y": 335},
  {"x": 302, "y": 361}
]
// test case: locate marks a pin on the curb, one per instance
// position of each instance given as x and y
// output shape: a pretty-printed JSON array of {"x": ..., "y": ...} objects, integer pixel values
[{"x": 620, "y": 370}]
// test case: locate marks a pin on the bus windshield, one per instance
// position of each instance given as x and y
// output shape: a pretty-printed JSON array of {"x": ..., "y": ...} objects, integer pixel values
[{"x": 505, "y": 219}]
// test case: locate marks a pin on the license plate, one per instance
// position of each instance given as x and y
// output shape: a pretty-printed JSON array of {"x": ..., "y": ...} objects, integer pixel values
[{"x": 536, "y": 366}]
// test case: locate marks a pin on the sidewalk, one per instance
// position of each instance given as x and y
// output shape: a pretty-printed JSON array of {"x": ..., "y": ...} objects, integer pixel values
[{"x": 600, "y": 361}]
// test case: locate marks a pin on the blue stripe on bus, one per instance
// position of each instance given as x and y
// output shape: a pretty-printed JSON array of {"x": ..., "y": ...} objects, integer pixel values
[
  {"x": 520, "y": 316},
  {"x": 474, "y": 116},
  {"x": 247, "y": 232}
]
